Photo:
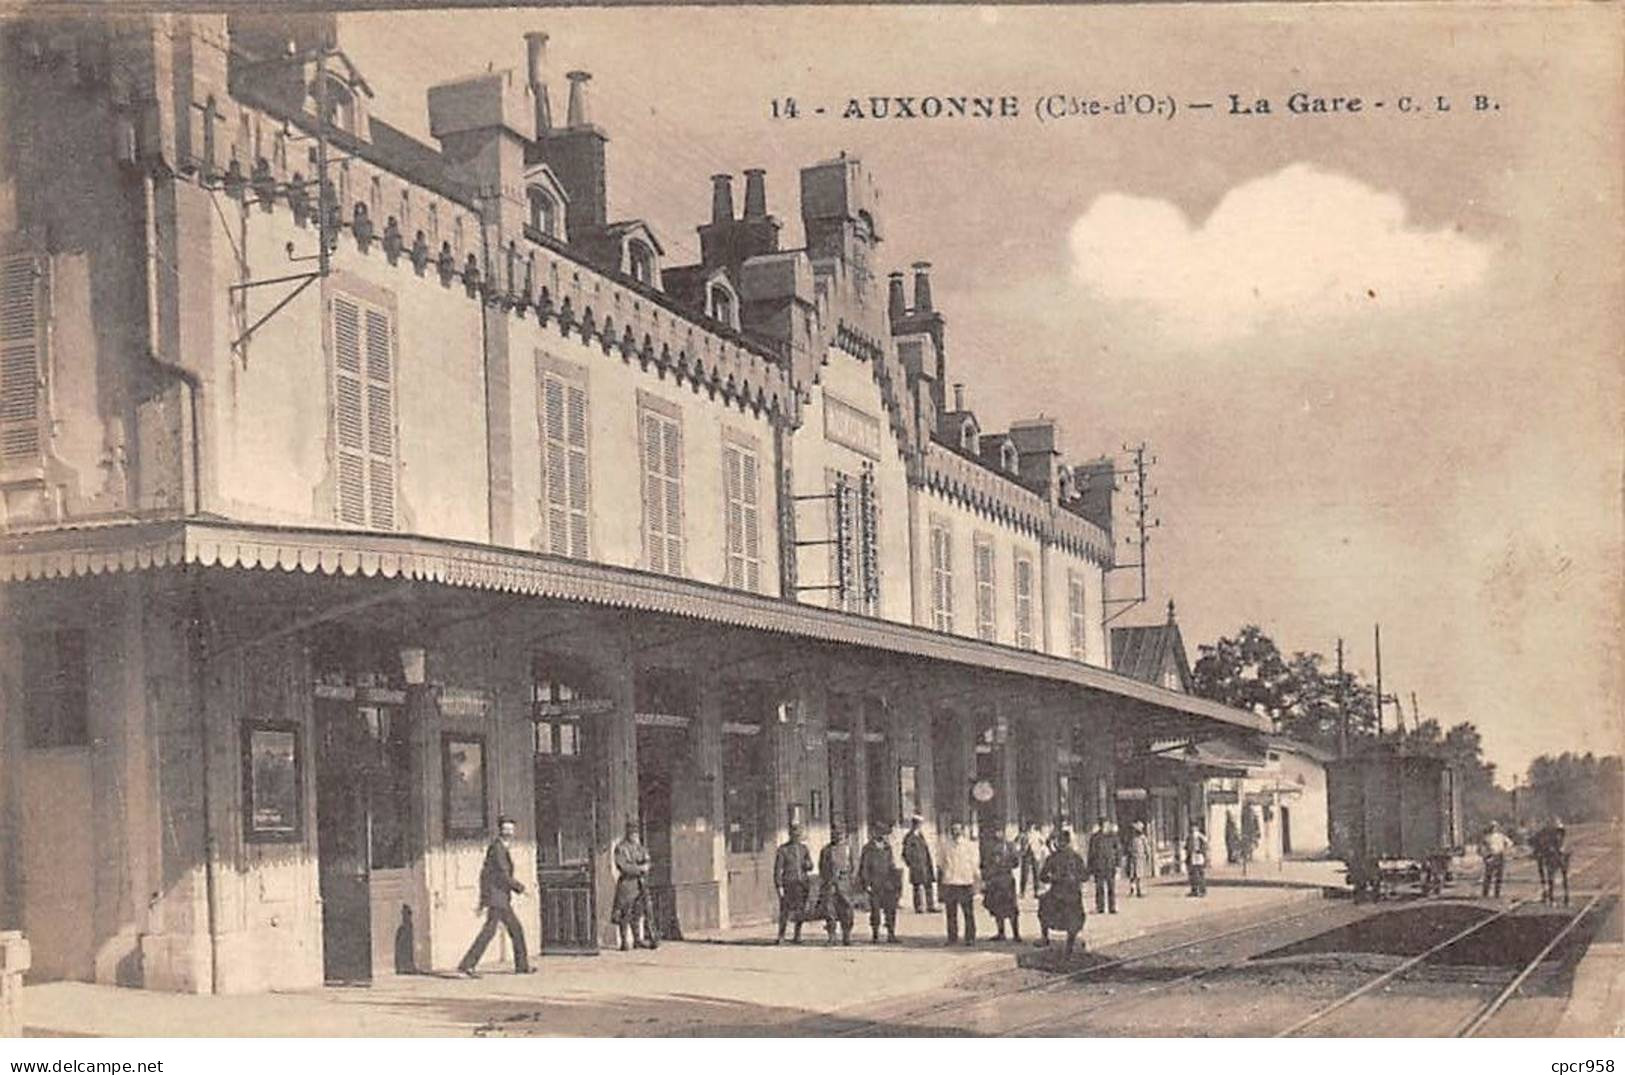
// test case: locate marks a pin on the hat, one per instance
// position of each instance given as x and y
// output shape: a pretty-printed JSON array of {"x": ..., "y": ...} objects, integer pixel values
[
  {"x": 504, "y": 819},
  {"x": 1139, "y": 826}
]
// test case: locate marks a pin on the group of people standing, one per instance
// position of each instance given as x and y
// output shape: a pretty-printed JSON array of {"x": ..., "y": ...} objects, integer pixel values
[
  {"x": 1546, "y": 845},
  {"x": 1043, "y": 862},
  {"x": 1005, "y": 871}
]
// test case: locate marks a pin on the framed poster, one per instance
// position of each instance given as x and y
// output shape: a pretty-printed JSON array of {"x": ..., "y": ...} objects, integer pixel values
[
  {"x": 816, "y": 799},
  {"x": 463, "y": 769},
  {"x": 273, "y": 782},
  {"x": 908, "y": 792}
]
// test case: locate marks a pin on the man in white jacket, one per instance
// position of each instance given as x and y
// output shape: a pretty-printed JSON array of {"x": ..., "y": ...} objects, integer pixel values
[{"x": 957, "y": 878}]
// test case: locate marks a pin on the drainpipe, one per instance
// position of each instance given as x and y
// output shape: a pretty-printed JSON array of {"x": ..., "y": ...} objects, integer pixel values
[
  {"x": 198, "y": 654},
  {"x": 154, "y": 344}
]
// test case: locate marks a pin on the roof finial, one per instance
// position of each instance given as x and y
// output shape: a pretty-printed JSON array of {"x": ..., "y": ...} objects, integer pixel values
[{"x": 1170, "y": 610}]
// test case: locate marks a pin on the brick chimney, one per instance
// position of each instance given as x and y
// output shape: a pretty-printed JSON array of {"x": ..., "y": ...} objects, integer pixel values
[
  {"x": 483, "y": 126},
  {"x": 576, "y": 154},
  {"x": 922, "y": 287},
  {"x": 535, "y": 69},
  {"x": 728, "y": 242},
  {"x": 896, "y": 298},
  {"x": 722, "y": 198},
  {"x": 755, "y": 194}
]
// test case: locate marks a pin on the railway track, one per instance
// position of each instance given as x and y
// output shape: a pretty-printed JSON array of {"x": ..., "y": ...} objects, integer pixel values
[
  {"x": 1057, "y": 1006},
  {"x": 1057, "y": 1021},
  {"x": 962, "y": 1008},
  {"x": 1473, "y": 1024}
]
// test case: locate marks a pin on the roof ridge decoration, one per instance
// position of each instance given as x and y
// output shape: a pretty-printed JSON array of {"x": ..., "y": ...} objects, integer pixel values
[
  {"x": 999, "y": 497},
  {"x": 527, "y": 275}
]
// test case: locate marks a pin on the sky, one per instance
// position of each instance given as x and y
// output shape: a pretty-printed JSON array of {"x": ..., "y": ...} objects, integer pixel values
[{"x": 1377, "y": 355}]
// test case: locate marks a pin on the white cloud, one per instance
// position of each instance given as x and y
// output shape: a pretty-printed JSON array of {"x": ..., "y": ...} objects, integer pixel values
[{"x": 1297, "y": 248}]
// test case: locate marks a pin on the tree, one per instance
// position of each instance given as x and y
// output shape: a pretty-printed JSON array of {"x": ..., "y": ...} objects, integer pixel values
[
  {"x": 1574, "y": 787},
  {"x": 1250, "y": 833},
  {"x": 1298, "y": 694}
]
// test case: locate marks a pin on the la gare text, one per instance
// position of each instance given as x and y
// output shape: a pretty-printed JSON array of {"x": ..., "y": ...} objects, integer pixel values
[{"x": 1060, "y": 105}]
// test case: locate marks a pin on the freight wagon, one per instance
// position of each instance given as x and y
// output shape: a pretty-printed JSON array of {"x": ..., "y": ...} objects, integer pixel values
[{"x": 1395, "y": 819}]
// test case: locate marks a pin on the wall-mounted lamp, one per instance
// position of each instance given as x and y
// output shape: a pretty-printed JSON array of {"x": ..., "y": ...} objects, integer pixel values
[{"x": 414, "y": 665}]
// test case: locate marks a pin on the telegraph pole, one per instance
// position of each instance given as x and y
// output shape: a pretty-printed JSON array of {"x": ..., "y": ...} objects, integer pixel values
[
  {"x": 1377, "y": 631},
  {"x": 1342, "y": 707}
]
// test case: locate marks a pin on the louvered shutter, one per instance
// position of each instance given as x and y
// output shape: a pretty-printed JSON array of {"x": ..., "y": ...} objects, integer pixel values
[
  {"x": 20, "y": 365},
  {"x": 674, "y": 497},
  {"x": 555, "y": 466},
  {"x": 750, "y": 520},
  {"x": 380, "y": 421},
  {"x": 576, "y": 453},
  {"x": 734, "y": 514},
  {"x": 350, "y": 431},
  {"x": 654, "y": 494}
]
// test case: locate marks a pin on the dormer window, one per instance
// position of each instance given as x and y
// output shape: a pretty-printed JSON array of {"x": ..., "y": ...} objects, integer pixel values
[
  {"x": 340, "y": 105},
  {"x": 1008, "y": 458},
  {"x": 967, "y": 437},
  {"x": 544, "y": 212},
  {"x": 720, "y": 305},
  {"x": 640, "y": 262}
]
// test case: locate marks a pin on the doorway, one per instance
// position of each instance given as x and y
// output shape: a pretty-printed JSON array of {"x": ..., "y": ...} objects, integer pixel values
[
  {"x": 342, "y": 866},
  {"x": 662, "y": 755},
  {"x": 566, "y": 818}
]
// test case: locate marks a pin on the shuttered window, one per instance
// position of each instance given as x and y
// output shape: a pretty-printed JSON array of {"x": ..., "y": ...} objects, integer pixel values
[
  {"x": 1077, "y": 614},
  {"x": 742, "y": 492},
  {"x": 942, "y": 578},
  {"x": 986, "y": 618},
  {"x": 22, "y": 355},
  {"x": 662, "y": 449},
  {"x": 364, "y": 413},
  {"x": 1024, "y": 602},
  {"x": 564, "y": 463}
]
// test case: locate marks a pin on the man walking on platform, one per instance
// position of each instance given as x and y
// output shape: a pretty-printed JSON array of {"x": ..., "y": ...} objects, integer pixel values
[
  {"x": 497, "y": 889},
  {"x": 1034, "y": 850},
  {"x": 792, "y": 869}
]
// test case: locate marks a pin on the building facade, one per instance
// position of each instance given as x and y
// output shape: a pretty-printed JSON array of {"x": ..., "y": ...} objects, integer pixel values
[{"x": 356, "y": 491}]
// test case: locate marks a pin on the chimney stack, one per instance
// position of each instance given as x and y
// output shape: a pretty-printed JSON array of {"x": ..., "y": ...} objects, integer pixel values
[
  {"x": 755, "y": 194},
  {"x": 577, "y": 116},
  {"x": 896, "y": 298},
  {"x": 922, "y": 287},
  {"x": 959, "y": 397},
  {"x": 535, "y": 58},
  {"x": 722, "y": 198}
]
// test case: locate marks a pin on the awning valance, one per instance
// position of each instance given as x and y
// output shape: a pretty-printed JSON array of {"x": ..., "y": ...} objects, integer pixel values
[{"x": 209, "y": 543}]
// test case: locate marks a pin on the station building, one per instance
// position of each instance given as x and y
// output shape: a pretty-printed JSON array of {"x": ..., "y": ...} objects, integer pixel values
[{"x": 357, "y": 490}]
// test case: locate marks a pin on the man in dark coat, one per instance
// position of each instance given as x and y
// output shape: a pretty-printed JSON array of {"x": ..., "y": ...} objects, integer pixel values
[
  {"x": 882, "y": 880},
  {"x": 922, "y": 873},
  {"x": 1551, "y": 859},
  {"x": 835, "y": 871},
  {"x": 497, "y": 889},
  {"x": 1105, "y": 856},
  {"x": 1061, "y": 905},
  {"x": 792, "y": 869}
]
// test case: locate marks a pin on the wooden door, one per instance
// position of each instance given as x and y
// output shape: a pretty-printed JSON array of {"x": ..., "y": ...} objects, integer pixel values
[
  {"x": 566, "y": 820},
  {"x": 343, "y": 861}
]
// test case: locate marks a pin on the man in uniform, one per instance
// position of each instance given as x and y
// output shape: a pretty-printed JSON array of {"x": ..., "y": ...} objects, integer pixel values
[
  {"x": 792, "y": 869},
  {"x": 632, "y": 912},
  {"x": 1196, "y": 859},
  {"x": 921, "y": 875},
  {"x": 882, "y": 880},
  {"x": 497, "y": 889},
  {"x": 835, "y": 870},
  {"x": 1105, "y": 856}
]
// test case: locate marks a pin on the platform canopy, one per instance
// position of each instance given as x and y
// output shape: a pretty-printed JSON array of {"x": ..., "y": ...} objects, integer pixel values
[{"x": 1153, "y": 711}]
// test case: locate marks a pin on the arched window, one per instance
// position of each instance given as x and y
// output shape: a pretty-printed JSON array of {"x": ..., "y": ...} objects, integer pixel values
[
  {"x": 640, "y": 262},
  {"x": 340, "y": 105},
  {"x": 720, "y": 305},
  {"x": 544, "y": 212},
  {"x": 967, "y": 437},
  {"x": 1009, "y": 458}
]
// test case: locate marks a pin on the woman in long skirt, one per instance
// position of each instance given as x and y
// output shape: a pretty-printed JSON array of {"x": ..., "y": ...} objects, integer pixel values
[
  {"x": 999, "y": 888},
  {"x": 1061, "y": 906}
]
